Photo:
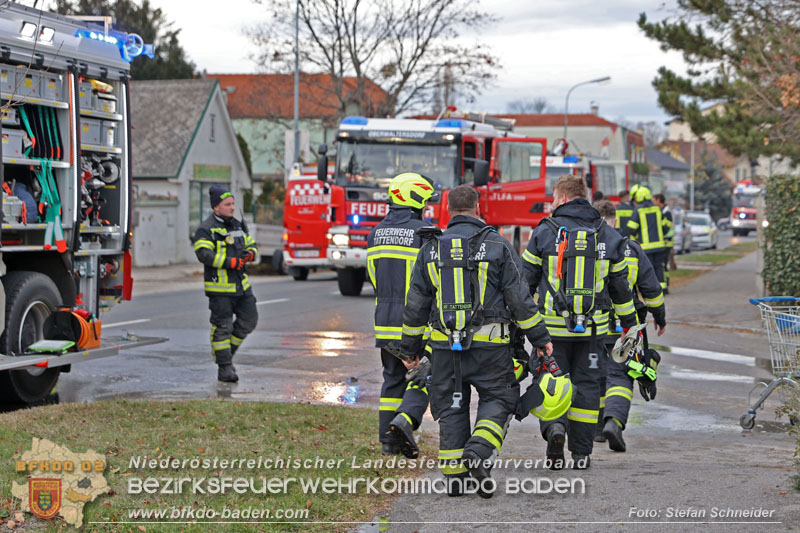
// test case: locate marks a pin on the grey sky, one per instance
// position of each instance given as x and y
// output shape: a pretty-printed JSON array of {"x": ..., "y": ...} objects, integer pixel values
[{"x": 545, "y": 46}]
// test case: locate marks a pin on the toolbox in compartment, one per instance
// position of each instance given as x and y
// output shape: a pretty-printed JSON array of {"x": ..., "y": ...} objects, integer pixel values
[
  {"x": 92, "y": 131},
  {"x": 52, "y": 86},
  {"x": 14, "y": 142},
  {"x": 85, "y": 95},
  {"x": 8, "y": 78},
  {"x": 106, "y": 103},
  {"x": 29, "y": 82},
  {"x": 109, "y": 133},
  {"x": 9, "y": 117}
]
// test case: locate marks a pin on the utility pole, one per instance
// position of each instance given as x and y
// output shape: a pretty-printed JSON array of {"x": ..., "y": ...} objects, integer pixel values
[
  {"x": 691, "y": 181},
  {"x": 296, "y": 158}
]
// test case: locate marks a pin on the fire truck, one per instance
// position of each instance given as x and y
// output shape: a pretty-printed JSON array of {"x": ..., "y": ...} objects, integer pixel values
[
  {"x": 66, "y": 228},
  {"x": 743, "y": 212},
  {"x": 507, "y": 169},
  {"x": 305, "y": 223}
]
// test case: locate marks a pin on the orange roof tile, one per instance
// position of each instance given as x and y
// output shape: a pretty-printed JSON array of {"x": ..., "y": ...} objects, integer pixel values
[{"x": 272, "y": 95}]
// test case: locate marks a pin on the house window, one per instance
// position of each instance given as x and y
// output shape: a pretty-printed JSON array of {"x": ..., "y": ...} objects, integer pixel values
[{"x": 213, "y": 117}]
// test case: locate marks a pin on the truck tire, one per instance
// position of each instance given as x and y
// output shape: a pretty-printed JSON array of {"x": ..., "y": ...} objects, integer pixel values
[
  {"x": 277, "y": 262},
  {"x": 351, "y": 280},
  {"x": 30, "y": 298},
  {"x": 299, "y": 273}
]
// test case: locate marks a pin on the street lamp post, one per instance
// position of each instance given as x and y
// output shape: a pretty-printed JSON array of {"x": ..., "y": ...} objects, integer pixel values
[{"x": 566, "y": 101}]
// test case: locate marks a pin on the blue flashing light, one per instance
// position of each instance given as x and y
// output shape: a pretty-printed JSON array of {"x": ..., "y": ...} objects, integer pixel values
[
  {"x": 130, "y": 45},
  {"x": 356, "y": 220},
  {"x": 355, "y": 121},
  {"x": 570, "y": 159},
  {"x": 450, "y": 123}
]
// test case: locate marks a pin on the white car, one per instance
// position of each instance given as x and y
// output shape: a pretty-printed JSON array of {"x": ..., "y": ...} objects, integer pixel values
[
  {"x": 683, "y": 235},
  {"x": 705, "y": 233}
]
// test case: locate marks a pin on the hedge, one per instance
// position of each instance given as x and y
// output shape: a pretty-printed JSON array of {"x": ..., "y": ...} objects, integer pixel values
[{"x": 782, "y": 254}]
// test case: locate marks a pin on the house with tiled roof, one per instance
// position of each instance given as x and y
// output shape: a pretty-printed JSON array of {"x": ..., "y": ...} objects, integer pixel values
[
  {"x": 183, "y": 142},
  {"x": 668, "y": 175},
  {"x": 262, "y": 109}
]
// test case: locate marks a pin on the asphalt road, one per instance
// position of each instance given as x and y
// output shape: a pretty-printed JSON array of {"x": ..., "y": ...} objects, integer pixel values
[{"x": 686, "y": 449}]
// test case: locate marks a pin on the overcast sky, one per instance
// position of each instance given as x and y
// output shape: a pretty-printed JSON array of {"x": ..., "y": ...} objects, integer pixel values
[{"x": 545, "y": 47}]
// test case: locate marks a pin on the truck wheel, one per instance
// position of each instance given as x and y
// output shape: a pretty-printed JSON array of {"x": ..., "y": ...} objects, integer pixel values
[
  {"x": 299, "y": 273},
  {"x": 277, "y": 262},
  {"x": 30, "y": 298},
  {"x": 351, "y": 280}
]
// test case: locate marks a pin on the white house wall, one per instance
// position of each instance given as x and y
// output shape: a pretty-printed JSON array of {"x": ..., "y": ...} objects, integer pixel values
[{"x": 587, "y": 140}]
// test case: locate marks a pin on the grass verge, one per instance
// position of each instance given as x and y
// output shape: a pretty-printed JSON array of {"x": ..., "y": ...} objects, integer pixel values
[{"x": 207, "y": 429}]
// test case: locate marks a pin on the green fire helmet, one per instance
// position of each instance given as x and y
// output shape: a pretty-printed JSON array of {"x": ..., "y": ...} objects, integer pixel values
[
  {"x": 642, "y": 194},
  {"x": 410, "y": 189},
  {"x": 557, "y": 397}
]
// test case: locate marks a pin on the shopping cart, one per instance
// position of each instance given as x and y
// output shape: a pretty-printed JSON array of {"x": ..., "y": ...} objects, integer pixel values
[{"x": 780, "y": 316}]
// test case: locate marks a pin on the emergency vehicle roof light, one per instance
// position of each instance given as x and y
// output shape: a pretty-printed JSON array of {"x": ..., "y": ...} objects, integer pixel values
[
  {"x": 355, "y": 121},
  {"x": 570, "y": 159},
  {"x": 450, "y": 123},
  {"x": 28, "y": 29}
]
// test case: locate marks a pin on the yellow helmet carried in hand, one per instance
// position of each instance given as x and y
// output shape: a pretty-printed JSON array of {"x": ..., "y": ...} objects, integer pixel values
[
  {"x": 642, "y": 194},
  {"x": 557, "y": 397},
  {"x": 410, "y": 190}
]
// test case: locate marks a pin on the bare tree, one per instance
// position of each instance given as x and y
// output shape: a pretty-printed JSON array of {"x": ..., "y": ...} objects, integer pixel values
[
  {"x": 384, "y": 57},
  {"x": 536, "y": 106},
  {"x": 653, "y": 133}
]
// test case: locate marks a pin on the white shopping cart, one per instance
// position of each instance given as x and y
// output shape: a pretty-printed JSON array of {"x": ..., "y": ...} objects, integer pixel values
[{"x": 780, "y": 316}]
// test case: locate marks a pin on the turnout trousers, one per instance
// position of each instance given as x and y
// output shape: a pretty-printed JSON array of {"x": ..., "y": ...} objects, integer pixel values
[
  {"x": 228, "y": 333},
  {"x": 619, "y": 385},
  {"x": 399, "y": 396},
  {"x": 659, "y": 259},
  {"x": 490, "y": 371},
  {"x": 582, "y": 359}
]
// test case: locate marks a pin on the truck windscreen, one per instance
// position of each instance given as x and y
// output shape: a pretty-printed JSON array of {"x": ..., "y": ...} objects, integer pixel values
[
  {"x": 744, "y": 200},
  {"x": 371, "y": 164}
]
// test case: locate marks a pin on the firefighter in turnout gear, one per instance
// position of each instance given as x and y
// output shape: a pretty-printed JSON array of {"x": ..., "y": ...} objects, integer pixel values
[
  {"x": 669, "y": 261},
  {"x": 469, "y": 285},
  {"x": 224, "y": 246},
  {"x": 392, "y": 250},
  {"x": 569, "y": 259},
  {"x": 648, "y": 227},
  {"x": 624, "y": 209},
  {"x": 618, "y": 384}
]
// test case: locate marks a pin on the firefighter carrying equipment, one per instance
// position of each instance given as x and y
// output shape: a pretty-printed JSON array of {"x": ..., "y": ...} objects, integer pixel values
[
  {"x": 574, "y": 299},
  {"x": 410, "y": 190},
  {"x": 459, "y": 315}
]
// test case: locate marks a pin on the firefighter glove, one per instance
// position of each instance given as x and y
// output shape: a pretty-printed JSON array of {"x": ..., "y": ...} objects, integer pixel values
[
  {"x": 420, "y": 373},
  {"x": 647, "y": 389},
  {"x": 237, "y": 263},
  {"x": 249, "y": 256}
]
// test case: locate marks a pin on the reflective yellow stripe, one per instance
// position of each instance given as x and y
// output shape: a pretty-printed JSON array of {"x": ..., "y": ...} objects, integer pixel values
[
  {"x": 406, "y": 251},
  {"x": 487, "y": 436},
  {"x": 588, "y": 416},
  {"x": 215, "y": 287},
  {"x": 532, "y": 259},
  {"x": 602, "y": 402},
  {"x": 557, "y": 327},
  {"x": 620, "y": 391},
  {"x": 202, "y": 243},
  {"x": 219, "y": 258},
  {"x": 458, "y": 277},
  {"x": 409, "y": 271},
  {"x": 371, "y": 272},
  {"x": 434, "y": 275},
  {"x": 245, "y": 282},
  {"x": 236, "y": 341},
  {"x": 491, "y": 424},
  {"x": 530, "y": 322},
  {"x": 624, "y": 309},
  {"x": 654, "y": 302},
  {"x": 448, "y": 461},
  {"x": 601, "y": 268},
  {"x": 446, "y": 455},
  {"x": 417, "y": 387},
  {"x": 390, "y": 404},
  {"x": 453, "y": 469},
  {"x": 412, "y": 331},
  {"x": 483, "y": 272},
  {"x": 580, "y": 267},
  {"x": 617, "y": 267}
]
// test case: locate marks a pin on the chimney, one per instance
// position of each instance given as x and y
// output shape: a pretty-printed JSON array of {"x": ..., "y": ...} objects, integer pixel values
[{"x": 594, "y": 109}]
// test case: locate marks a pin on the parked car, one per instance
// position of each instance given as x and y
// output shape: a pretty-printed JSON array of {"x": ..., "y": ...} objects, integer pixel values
[
  {"x": 704, "y": 231},
  {"x": 683, "y": 235},
  {"x": 724, "y": 224}
]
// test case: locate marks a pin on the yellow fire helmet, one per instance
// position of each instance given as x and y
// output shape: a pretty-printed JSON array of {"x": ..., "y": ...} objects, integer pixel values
[
  {"x": 557, "y": 397},
  {"x": 410, "y": 190},
  {"x": 633, "y": 190},
  {"x": 642, "y": 194}
]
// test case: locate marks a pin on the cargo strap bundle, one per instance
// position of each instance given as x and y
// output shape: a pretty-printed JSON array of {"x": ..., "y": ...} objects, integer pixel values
[
  {"x": 50, "y": 207},
  {"x": 574, "y": 299}
]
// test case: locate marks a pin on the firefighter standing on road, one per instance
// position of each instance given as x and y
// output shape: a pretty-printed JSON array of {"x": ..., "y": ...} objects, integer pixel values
[
  {"x": 224, "y": 247},
  {"x": 669, "y": 263},
  {"x": 648, "y": 226},
  {"x": 469, "y": 283},
  {"x": 618, "y": 385},
  {"x": 392, "y": 250},
  {"x": 577, "y": 352}
]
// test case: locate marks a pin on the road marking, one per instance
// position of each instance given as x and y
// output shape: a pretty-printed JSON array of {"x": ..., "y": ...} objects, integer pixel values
[
  {"x": 278, "y": 300},
  {"x": 128, "y": 323},
  {"x": 713, "y": 356}
]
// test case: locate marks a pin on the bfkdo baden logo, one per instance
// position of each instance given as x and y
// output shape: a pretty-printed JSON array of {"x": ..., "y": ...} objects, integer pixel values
[
  {"x": 44, "y": 497},
  {"x": 60, "y": 482}
]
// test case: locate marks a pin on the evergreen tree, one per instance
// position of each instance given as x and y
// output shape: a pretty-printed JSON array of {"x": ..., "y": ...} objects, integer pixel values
[
  {"x": 710, "y": 187},
  {"x": 743, "y": 54},
  {"x": 151, "y": 24}
]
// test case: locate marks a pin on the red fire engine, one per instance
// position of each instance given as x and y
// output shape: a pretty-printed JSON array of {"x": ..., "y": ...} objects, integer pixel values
[{"x": 743, "y": 212}]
